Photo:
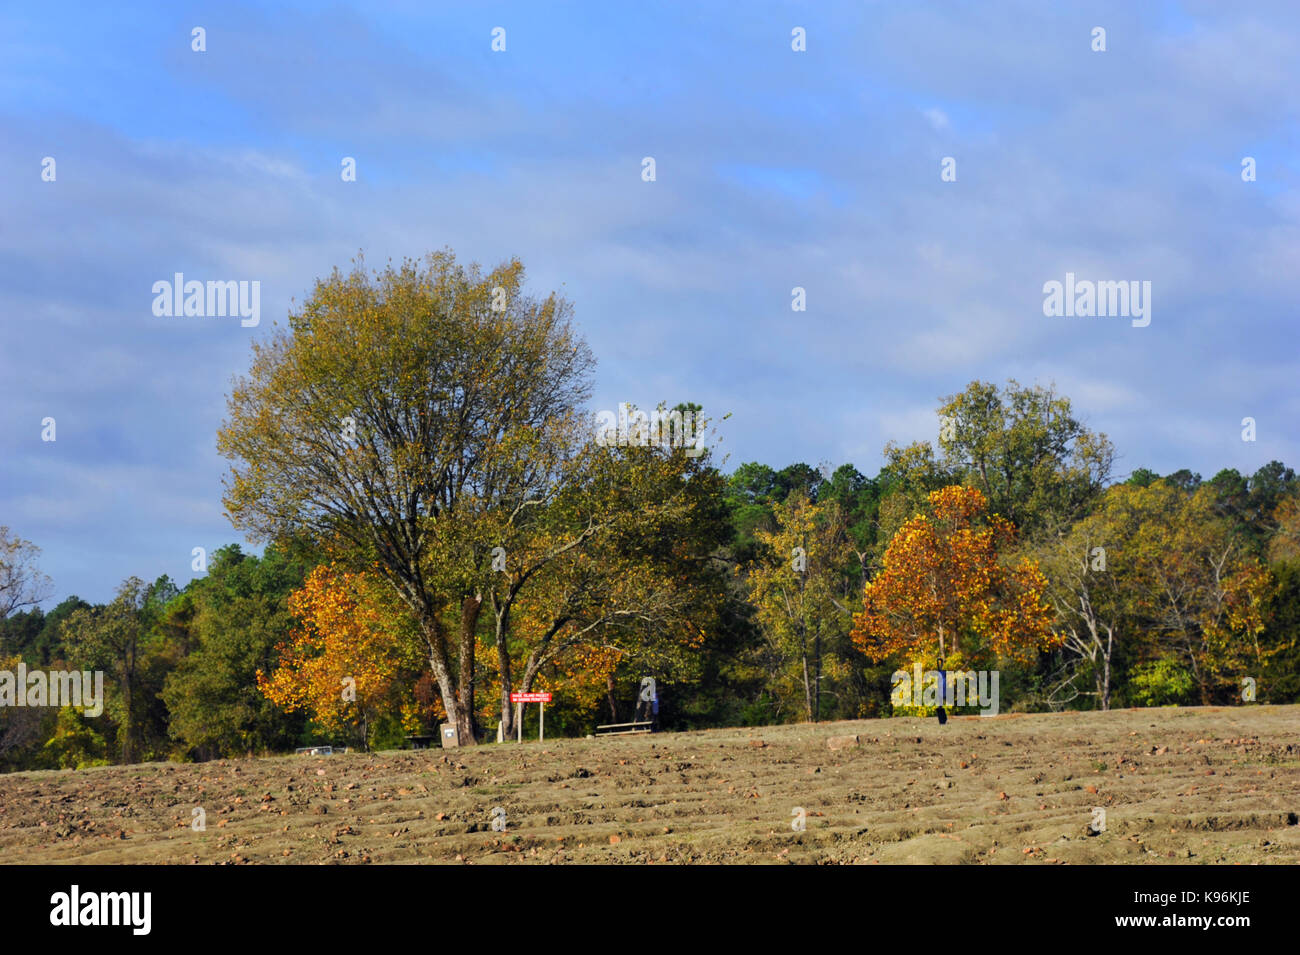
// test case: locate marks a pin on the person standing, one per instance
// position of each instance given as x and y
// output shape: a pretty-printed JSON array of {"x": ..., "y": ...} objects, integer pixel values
[{"x": 943, "y": 694}]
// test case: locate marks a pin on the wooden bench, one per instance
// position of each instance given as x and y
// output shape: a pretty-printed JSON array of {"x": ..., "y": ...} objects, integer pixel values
[
  {"x": 625, "y": 729},
  {"x": 421, "y": 742}
]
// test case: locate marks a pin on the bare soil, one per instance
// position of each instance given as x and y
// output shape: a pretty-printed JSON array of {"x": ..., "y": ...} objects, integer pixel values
[{"x": 1199, "y": 785}]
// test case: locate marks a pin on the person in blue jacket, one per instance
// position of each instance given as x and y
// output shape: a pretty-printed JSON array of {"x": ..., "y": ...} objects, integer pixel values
[{"x": 943, "y": 694}]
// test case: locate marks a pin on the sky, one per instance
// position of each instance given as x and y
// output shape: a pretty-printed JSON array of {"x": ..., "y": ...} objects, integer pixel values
[{"x": 775, "y": 169}]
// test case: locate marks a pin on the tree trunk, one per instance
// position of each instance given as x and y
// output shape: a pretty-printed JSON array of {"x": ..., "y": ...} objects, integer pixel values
[
  {"x": 1105, "y": 689},
  {"x": 436, "y": 639},
  {"x": 128, "y": 727},
  {"x": 807, "y": 689},
  {"x": 817, "y": 675},
  {"x": 503, "y": 663},
  {"x": 466, "y": 720},
  {"x": 129, "y": 684},
  {"x": 609, "y": 691},
  {"x": 531, "y": 669}
]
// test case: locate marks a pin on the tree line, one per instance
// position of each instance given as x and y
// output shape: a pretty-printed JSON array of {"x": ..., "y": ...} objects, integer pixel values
[{"x": 440, "y": 528}]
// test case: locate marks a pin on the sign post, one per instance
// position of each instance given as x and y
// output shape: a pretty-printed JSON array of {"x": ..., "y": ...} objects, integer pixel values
[{"x": 519, "y": 699}]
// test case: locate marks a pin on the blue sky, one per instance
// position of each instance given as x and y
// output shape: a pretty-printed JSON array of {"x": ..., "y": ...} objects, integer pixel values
[{"x": 775, "y": 169}]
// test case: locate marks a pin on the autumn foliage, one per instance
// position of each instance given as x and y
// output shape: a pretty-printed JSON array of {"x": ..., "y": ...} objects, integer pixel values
[
  {"x": 353, "y": 656},
  {"x": 944, "y": 593}
]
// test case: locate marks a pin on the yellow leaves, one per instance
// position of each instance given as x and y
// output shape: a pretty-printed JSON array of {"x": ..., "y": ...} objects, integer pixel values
[
  {"x": 957, "y": 504},
  {"x": 1231, "y": 633},
  {"x": 942, "y": 581},
  {"x": 350, "y": 640}
]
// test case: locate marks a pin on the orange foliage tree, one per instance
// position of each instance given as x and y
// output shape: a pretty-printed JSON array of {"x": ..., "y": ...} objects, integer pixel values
[
  {"x": 355, "y": 657},
  {"x": 944, "y": 594}
]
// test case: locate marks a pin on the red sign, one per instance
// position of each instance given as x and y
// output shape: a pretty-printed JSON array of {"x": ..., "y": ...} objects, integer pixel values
[{"x": 530, "y": 697}]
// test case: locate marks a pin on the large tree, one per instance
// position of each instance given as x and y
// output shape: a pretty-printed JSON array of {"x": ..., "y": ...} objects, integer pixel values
[
  {"x": 1036, "y": 463},
  {"x": 946, "y": 592},
  {"x": 1204, "y": 592},
  {"x": 620, "y": 564},
  {"x": 1094, "y": 593},
  {"x": 396, "y": 408},
  {"x": 1162, "y": 576}
]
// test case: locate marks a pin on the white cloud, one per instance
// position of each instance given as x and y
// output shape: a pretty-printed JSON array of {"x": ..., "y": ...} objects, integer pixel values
[{"x": 937, "y": 119}]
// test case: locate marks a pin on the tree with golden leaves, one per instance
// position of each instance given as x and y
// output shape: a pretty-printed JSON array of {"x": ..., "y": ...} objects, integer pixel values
[
  {"x": 944, "y": 593},
  {"x": 396, "y": 410},
  {"x": 354, "y": 657}
]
